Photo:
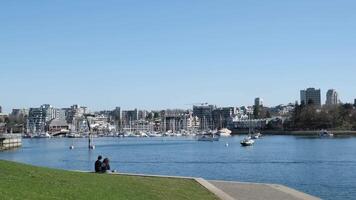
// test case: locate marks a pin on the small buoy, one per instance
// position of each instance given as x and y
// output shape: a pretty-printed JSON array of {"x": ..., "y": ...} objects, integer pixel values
[
  {"x": 227, "y": 144},
  {"x": 71, "y": 147},
  {"x": 92, "y": 147}
]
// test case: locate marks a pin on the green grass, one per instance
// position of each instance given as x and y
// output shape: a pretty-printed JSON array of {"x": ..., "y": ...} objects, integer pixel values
[{"x": 19, "y": 181}]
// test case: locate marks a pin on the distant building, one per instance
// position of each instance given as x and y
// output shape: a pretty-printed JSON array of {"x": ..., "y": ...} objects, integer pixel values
[
  {"x": 332, "y": 97},
  {"x": 0, "y": 109},
  {"x": 258, "y": 102},
  {"x": 142, "y": 114},
  {"x": 49, "y": 112},
  {"x": 310, "y": 96},
  {"x": 223, "y": 116},
  {"x": 74, "y": 112},
  {"x": 19, "y": 112},
  {"x": 355, "y": 102},
  {"x": 57, "y": 125},
  {"x": 129, "y": 116},
  {"x": 36, "y": 120},
  {"x": 205, "y": 115}
]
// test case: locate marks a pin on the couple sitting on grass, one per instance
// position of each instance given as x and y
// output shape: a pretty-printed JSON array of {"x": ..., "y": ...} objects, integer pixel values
[{"x": 102, "y": 166}]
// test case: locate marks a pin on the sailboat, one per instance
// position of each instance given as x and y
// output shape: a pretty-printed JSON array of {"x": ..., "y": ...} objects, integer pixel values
[
  {"x": 248, "y": 141},
  {"x": 208, "y": 136}
]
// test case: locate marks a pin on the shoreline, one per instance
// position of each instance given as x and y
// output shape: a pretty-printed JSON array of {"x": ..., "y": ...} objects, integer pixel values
[{"x": 296, "y": 133}]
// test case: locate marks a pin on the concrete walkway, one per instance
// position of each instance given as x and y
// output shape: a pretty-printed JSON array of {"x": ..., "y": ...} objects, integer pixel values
[
  {"x": 253, "y": 191},
  {"x": 227, "y": 190}
]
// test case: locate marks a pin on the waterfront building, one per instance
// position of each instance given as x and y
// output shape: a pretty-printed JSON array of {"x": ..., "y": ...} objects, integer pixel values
[
  {"x": 57, "y": 125},
  {"x": 258, "y": 102},
  {"x": 173, "y": 119},
  {"x": 0, "y": 109},
  {"x": 355, "y": 102},
  {"x": 205, "y": 114},
  {"x": 222, "y": 117},
  {"x": 245, "y": 124},
  {"x": 49, "y": 112},
  {"x": 75, "y": 111},
  {"x": 310, "y": 96},
  {"x": 129, "y": 116},
  {"x": 36, "y": 120},
  {"x": 332, "y": 97}
]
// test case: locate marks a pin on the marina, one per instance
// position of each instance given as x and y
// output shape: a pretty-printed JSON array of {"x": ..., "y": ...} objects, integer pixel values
[{"x": 300, "y": 162}]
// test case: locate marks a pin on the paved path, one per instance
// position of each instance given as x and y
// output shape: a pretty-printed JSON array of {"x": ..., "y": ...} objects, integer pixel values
[
  {"x": 226, "y": 190},
  {"x": 253, "y": 191}
]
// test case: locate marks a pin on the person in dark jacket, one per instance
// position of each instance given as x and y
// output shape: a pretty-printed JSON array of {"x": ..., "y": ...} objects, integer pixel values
[
  {"x": 98, "y": 165},
  {"x": 105, "y": 167}
]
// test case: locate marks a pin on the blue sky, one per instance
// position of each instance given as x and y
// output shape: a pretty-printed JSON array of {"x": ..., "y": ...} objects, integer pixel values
[{"x": 166, "y": 54}]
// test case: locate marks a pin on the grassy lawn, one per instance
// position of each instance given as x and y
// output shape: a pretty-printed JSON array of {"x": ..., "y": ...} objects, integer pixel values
[{"x": 19, "y": 181}]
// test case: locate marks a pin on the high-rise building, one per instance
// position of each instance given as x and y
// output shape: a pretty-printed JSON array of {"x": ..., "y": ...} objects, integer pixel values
[
  {"x": 310, "y": 96},
  {"x": 36, "y": 120},
  {"x": 355, "y": 102},
  {"x": 332, "y": 97},
  {"x": 258, "y": 102},
  {"x": 0, "y": 109}
]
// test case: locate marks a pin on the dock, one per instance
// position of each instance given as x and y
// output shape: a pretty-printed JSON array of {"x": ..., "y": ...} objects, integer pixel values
[{"x": 10, "y": 141}]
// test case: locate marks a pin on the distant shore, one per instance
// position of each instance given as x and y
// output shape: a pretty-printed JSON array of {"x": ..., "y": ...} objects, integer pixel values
[{"x": 302, "y": 133}]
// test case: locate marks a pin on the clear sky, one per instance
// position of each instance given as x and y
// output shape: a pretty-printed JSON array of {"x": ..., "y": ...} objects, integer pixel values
[{"x": 170, "y": 53}]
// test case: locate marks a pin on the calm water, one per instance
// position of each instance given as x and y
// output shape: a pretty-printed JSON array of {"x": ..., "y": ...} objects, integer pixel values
[{"x": 322, "y": 167}]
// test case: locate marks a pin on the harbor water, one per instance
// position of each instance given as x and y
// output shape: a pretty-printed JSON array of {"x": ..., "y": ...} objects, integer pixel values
[{"x": 324, "y": 167}]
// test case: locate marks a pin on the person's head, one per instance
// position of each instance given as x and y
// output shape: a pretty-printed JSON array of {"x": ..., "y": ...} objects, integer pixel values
[
  {"x": 100, "y": 157},
  {"x": 106, "y": 161}
]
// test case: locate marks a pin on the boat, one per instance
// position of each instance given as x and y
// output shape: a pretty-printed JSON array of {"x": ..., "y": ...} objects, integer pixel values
[
  {"x": 224, "y": 132},
  {"x": 325, "y": 133},
  {"x": 73, "y": 135},
  {"x": 247, "y": 142},
  {"x": 256, "y": 136},
  {"x": 43, "y": 135},
  {"x": 209, "y": 138}
]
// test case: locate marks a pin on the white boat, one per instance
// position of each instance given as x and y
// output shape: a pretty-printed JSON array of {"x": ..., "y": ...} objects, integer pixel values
[
  {"x": 256, "y": 136},
  {"x": 43, "y": 135},
  {"x": 73, "y": 135},
  {"x": 247, "y": 142},
  {"x": 224, "y": 132}
]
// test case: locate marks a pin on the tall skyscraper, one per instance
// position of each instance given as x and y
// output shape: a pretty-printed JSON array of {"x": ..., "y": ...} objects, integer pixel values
[
  {"x": 310, "y": 96},
  {"x": 332, "y": 97},
  {"x": 258, "y": 102}
]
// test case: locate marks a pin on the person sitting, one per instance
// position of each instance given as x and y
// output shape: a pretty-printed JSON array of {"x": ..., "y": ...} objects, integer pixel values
[
  {"x": 98, "y": 165},
  {"x": 105, "y": 167}
]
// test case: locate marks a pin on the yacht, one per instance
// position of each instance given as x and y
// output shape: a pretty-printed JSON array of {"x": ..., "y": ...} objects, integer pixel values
[
  {"x": 256, "y": 136},
  {"x": 224, "y": 132},
  {"x": 247, "y": 141}
]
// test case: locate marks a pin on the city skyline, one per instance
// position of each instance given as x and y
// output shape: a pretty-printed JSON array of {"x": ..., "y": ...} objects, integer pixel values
[
  {"x": 257, "y": 101},
  {"x": 157, "y": 55}
]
